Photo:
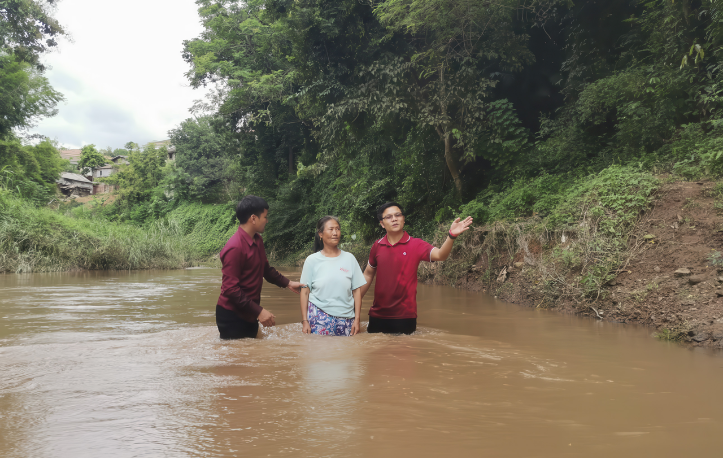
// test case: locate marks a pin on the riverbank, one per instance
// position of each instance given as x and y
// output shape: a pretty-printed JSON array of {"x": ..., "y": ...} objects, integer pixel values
[
  {"x": 81, "y": 236},
  {"x": 34, "y": 239},
  {"x": 621, "y": 245},
  {"x": 666, "y": 273}
]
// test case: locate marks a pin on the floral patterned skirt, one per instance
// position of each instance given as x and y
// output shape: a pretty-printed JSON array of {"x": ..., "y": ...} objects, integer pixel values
[{"x": 327, "y": 325}]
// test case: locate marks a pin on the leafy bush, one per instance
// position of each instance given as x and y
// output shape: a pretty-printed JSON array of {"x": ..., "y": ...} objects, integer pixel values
[
  {"x": 618, "y": 193},
  {"x": 699, "y": 151}
]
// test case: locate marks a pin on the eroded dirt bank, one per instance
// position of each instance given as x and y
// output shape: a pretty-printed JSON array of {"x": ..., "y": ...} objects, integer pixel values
[{"x": 670, "y": 277}]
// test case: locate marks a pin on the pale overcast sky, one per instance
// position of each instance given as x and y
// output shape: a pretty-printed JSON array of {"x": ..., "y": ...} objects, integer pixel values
[{"x": 122, "y": 74}]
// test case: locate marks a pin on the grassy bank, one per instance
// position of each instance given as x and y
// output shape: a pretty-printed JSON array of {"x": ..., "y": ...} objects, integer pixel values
[
  {"x": 36, "y": 239},
  {"x": 569, "y": 237},
  {"x": 593, "y": 216},
  {"x": 621, "y": 245},
  {"x": 82, "y": 237},
  {"x": 610, "y": 246}
]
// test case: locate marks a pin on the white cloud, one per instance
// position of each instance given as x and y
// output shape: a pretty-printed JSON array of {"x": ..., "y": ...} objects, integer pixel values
[{"x": 122, "y": 75}]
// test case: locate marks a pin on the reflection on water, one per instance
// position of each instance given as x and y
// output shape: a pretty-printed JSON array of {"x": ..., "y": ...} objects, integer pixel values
[{"x": 130, "y": 365}]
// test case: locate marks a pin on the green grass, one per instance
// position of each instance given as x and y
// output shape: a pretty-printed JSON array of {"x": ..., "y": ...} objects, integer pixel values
[
  {"x": 576, "y": 231},
  {"x": 674, "y": 334},
  {"x": 34, "y": 239},
  {"x": 596, "y": 213},
  {"x": 640, "y": 294}
]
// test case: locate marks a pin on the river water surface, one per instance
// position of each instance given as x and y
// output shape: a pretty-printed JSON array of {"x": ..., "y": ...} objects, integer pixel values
[{"x": 130, "y": 365}]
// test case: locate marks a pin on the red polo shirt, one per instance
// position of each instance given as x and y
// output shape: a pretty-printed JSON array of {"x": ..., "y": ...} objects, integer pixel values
[
  {"x": 244, "y": 268},
  {"x": 395, "y": 293}
]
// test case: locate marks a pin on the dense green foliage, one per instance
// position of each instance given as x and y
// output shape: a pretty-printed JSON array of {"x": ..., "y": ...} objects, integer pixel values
[
  {"x": 336, "y": 107},
  {"x": 30, "y": 171},
  {"x": 572, "y": 252},
  {"x": 27, "y": 29},
  {"x": 25, "y": 95},
  {"x": 139, "y": 179},
  {"x": 452, "y": 106},
  {"x": 204, "y": 169},
  {"x": 501, "y": 110}
]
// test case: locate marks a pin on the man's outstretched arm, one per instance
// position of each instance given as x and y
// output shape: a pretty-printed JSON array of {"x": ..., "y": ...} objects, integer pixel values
[
  {"x": 442, "y": 253},
  {"x": 273, "y": 276},
  {"x": 369, "y": 273}
]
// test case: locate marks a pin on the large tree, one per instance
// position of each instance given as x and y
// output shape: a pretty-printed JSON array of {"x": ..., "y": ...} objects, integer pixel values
[
  {"x": 455, "y": 52},
  {"x": 143, "y": 173},
  {"x": 204, "y": 161},
  {"x": 279, "y": 64},
  {"x": 90, "y": 158},
  {"x": 28, "y": 29},
  {"x": 25, "y": 95}
]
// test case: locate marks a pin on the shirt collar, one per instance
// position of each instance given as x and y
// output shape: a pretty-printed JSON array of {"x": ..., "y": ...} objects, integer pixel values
[
  {"x": 405, "y": 238},
  {"x": 246, "y": 237}
]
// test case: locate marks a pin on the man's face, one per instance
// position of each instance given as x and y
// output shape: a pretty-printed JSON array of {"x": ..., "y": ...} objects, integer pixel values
[
  {"x": 392, "y": 219},
  {"x": 260, "y": 222}
]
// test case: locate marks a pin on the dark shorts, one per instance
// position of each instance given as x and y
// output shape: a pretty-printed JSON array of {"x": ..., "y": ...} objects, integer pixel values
[
  {"x": 392, "y": 326},
  {"x": 231, "y": 326}
]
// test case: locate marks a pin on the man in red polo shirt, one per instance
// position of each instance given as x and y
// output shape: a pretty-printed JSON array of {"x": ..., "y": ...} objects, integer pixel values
[
  {"x": 238, "y": 310},
  {"x": 394, "y": 259}
]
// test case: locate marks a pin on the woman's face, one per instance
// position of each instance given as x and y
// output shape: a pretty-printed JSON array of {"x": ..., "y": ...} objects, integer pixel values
[{"x": 331, "y": 234}]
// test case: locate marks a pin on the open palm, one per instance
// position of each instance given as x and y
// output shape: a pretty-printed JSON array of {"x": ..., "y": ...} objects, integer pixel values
[{"x": 460, "y": 226}]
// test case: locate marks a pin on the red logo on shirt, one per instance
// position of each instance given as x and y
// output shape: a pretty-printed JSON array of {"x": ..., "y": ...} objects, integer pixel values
[{"x": 344, "y": 270}]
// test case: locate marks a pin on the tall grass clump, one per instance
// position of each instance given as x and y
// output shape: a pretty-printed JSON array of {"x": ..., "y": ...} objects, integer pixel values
[
  {"x": 37, "y": 239},
  {"x": 204, "y": 227}
]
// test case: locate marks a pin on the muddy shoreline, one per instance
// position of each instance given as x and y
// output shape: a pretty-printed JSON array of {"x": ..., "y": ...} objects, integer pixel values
[{"x": 672, "y": 283}]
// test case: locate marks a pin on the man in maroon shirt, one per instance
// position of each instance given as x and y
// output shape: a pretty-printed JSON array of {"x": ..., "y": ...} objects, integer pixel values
[
  {"x": 238, "y": 310},
  {"x": 396, "y": 257}
]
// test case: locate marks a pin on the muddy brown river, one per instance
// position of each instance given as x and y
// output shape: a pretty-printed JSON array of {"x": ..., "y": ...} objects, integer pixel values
[{"x": 130, "y": 365}]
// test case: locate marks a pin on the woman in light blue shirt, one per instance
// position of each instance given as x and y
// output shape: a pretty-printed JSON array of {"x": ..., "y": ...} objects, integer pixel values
[{"x": 331, "y": 302}]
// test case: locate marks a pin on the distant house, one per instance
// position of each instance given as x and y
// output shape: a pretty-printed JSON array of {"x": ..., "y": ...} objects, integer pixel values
[
  {"x": 159, "y": 144},
  {"x": 167, "y": 144},
  {"x": 98, "y": 174},
  {"x": 73, "y": 155},
  {"x": 105, "y": 171},
  {"x": 103, "y": 188},
  {"x": 72, "y": 184}
]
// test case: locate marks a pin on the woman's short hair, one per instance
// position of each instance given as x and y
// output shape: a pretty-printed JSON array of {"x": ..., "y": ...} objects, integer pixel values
[
  {"x": 250, "y": 205},
  {"x": 380, "y": 210},
  {"x": 320, "y": 225}
]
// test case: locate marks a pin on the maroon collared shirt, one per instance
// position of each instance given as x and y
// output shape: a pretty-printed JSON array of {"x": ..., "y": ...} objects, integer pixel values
[
  {"x": 395, "y": 294},
  {"x": 244, "y": 268}
]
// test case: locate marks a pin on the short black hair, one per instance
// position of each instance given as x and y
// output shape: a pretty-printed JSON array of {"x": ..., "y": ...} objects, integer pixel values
[
  {"x": 380, "y": 210},
  {"x": 250, "y": 205}
]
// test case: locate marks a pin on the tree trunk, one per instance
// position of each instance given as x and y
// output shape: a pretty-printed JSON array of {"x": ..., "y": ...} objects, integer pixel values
[
  {"x": 292, "y": 169},
  {"x": 445, "y": 133},
  {"x": 451, "y": 160}
]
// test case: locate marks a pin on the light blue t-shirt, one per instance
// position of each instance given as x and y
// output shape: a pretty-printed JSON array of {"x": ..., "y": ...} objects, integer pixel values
[{"x": 331, "y": 282}]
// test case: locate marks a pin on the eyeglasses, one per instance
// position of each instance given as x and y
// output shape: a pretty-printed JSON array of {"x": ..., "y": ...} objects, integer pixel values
[{"x": 389, "y": 217}]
